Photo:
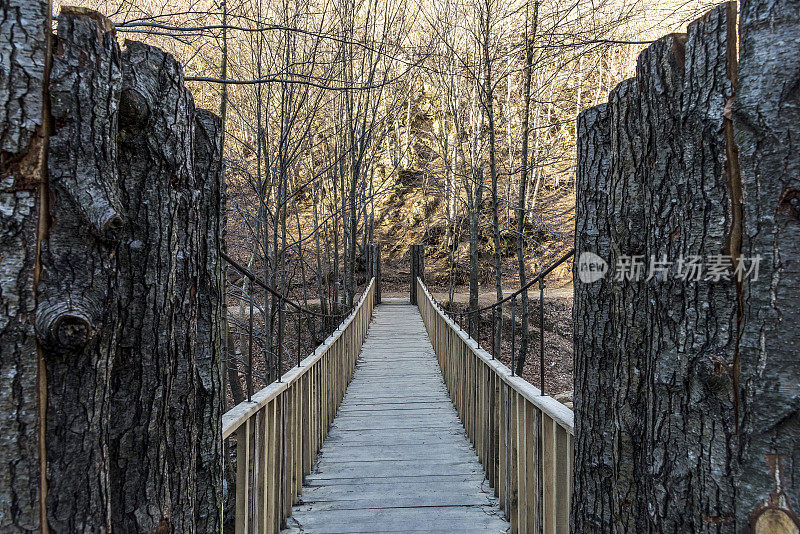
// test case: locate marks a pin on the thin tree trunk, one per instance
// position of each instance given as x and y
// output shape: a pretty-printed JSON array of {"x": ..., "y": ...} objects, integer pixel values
[
  {"x": 488, "y": 106},
  {"x": 523, "y": 184},
  {"x": 234, "y": 381}
]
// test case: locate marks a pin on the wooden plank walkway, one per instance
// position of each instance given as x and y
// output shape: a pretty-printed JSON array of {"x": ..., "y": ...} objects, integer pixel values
[{"x": 397, "y": 458}]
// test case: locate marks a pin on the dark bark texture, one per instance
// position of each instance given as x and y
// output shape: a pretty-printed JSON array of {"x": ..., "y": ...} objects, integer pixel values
[
  {"x": 24, "y": 25},
  {"x": 211, "y": 310},
  {"x": 76, "y": 316},
  {"x": 659, "y": 71},
  {"x": 704, "y": 433},
  {"x": 154, "y": 433},
  {"x": 701, "y": 400},
  {"x": 111, "y": 340},
  {"x": 594, "y": 473},
  {"x": 766, "y": 119},
  {"x": 627, "y": 311}
]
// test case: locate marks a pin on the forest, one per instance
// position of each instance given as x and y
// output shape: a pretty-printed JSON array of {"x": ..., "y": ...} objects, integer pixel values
[
  {"x": 450, "y": 124},
  {"x": 253, "y": 252}
]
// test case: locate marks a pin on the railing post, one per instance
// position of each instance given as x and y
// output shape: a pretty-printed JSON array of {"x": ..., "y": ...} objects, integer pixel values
[
  {"x": 250, "y": 347},
  {"x": 281, "y": 332},
  {"x": 541, "y": 335},
  {"x": 421, "y": 263},
  {"x": 373, "y": 268},
  {"x": 413, "y": 275},
  {"x": 417, "y": 269},
  {"x": 377, "y": 294}
]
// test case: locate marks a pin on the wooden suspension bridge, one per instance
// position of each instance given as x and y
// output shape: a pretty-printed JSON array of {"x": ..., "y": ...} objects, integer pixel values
[{"x": 400, "y": 422}]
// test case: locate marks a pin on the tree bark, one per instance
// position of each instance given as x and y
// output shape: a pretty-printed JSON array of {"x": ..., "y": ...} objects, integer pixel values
[
  {"x": 211, "y": 334},
  {"x": 661, "y": 454},
  {"x": 593, "y": 343},
  {"x": 154, "y": 432},
  {"x": 627, "y": 312},
  {"x": 703, "y": 436},
  {"x": 488, "y": 107},
  {"x": 117, "y": 388},
  {"x": 76, "y": 320},
  {"x": 704, "y": 395},
  {"x": 766, "y": 115},
  {"x": 24, "y": 43}
]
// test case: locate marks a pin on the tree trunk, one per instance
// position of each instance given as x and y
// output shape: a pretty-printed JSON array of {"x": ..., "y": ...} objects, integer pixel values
[
  {"x": 703, "y": 385},
  {"x": 766, "y": 118},
  {"x": 523, "y": 185},
  {"x": 628, "y": 312},
  {"x": 703, "y": 438},
  {"x": 154, "y": 436},
  {"x": 593, "y": 344},
  {"x": 211, "y": 355},
  {"x": 661, "y": 454},
  {"x": 110, "y": 389},
  {"x": 24, "y": 43},
  {"x": 235, "y": 383},
  {"x": 76, "y": 320},
  {"x": 488, "y": 106},
  {"x": 474, "y": 257}
]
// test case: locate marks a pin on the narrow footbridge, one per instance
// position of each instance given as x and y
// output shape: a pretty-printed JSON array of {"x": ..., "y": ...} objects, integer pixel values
[{"x": 399, "y": 422}]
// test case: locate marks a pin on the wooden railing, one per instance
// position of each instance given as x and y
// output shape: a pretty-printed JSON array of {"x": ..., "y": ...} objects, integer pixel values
[
  {"x": 279, "y": 433},
  {"x": 523, "y": 439}
]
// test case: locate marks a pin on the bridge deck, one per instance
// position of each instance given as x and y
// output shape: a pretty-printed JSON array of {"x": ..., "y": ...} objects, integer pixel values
[{"x": 397, "y": 458}]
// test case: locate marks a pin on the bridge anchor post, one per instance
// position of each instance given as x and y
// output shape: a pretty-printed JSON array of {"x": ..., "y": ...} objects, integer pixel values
[{"x": 417, "y": 269}]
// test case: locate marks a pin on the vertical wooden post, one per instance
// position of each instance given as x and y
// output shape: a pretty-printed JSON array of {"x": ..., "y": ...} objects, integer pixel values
[
  {"x": 413, "y": 275},
  {"x": 373, "y": 268},
  {"x": 417, "y": 269},
  {"x": 377, "y": 294},
  {"x": 243, "y": 478},
  {"x": 421, "y": 262}
]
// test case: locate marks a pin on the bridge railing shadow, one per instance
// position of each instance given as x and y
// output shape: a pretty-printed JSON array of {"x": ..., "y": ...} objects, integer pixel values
[
  {"x": 523, "y": 439},
  {"x": 278, "y": 431}
]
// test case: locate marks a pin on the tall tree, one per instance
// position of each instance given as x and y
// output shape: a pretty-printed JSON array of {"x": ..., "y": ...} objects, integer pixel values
[{"x": 527, "y": 73}]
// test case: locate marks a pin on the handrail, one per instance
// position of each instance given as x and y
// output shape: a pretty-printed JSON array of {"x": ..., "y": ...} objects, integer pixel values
[
  {"x": 523, "y": 439},
  {"x": 286, "y": 423},
  {"x": 299, "y": 314},
  {"x": 253, "y": 278},
  {"x": 233, "y": 418},
  {"x": 538, "y": 278}
]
